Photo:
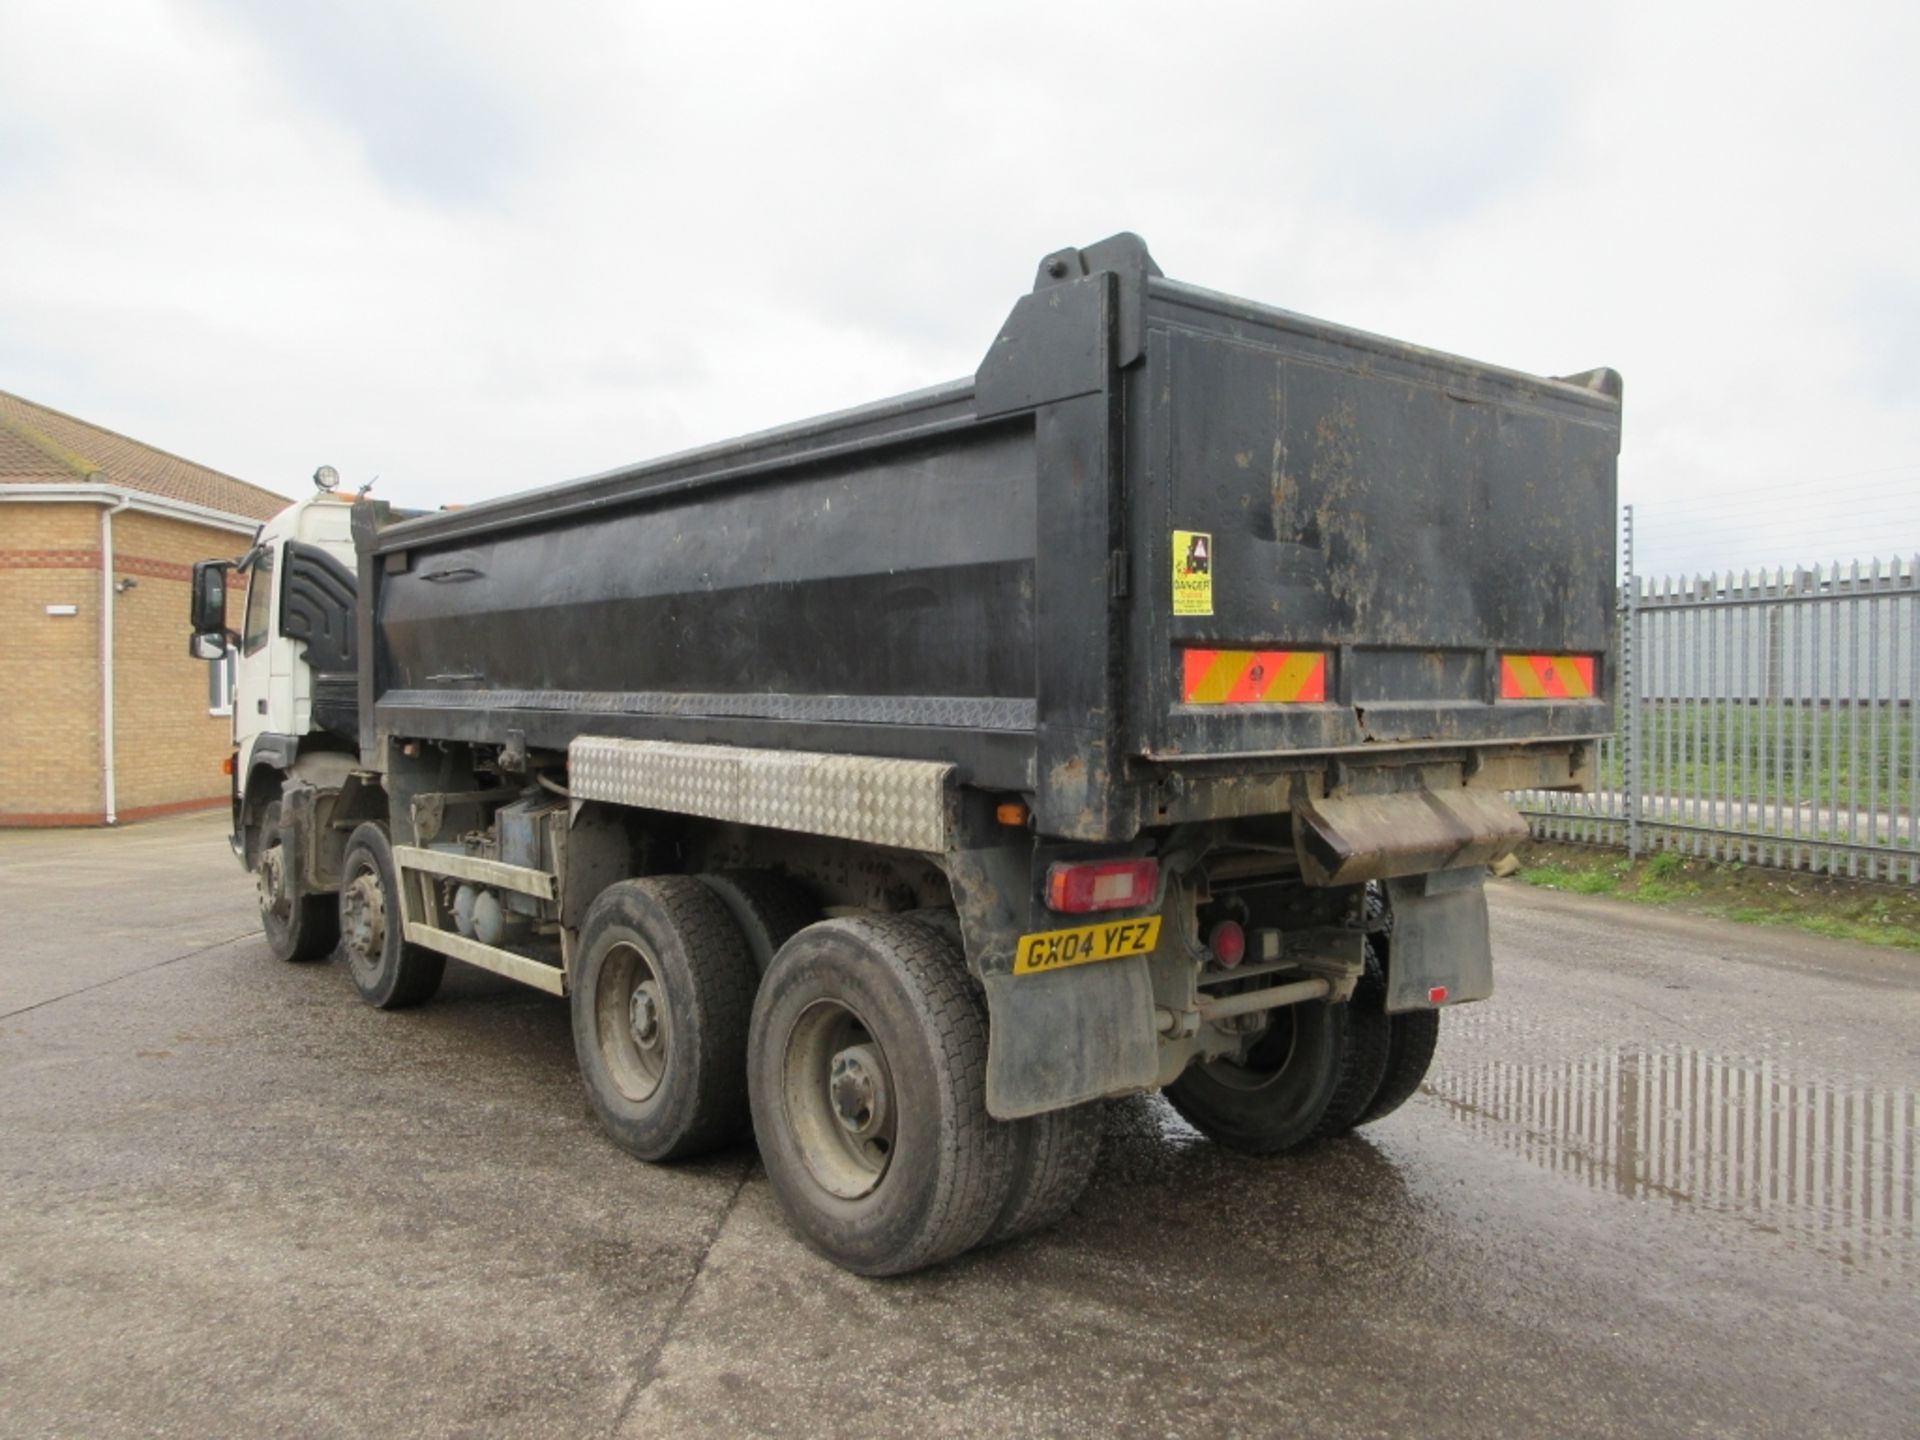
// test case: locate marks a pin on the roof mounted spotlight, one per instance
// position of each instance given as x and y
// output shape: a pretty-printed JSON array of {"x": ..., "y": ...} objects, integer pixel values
[{"x": 326, "y": 478}]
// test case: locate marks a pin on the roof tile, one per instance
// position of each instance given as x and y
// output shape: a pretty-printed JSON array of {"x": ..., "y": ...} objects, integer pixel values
[{"x": 41, "y": 445}]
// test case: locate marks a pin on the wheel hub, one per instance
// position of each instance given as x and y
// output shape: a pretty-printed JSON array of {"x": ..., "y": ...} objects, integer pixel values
[
  {"x": 365, "y": 913},
  {"x": 632, "y": 1021},
  {"x": 837, "y": 1091},
  {"x": 271, "y": 880},
  {"x": 643, "y": 1016},
  {"x": 858, "y": 1086}
]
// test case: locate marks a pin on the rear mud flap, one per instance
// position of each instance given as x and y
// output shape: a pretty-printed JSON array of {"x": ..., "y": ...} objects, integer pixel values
[
  {"x": 1440, "y": 951},
  {"x": 1376, "y": 837},
  {"x": 1070, "y": 1036}
]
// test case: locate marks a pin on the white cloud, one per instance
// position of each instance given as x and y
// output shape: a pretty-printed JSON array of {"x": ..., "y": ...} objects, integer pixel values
[{"x": 476, "y": 247}]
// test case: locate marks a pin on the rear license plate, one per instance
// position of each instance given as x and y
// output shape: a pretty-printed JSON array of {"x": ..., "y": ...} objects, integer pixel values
[{"x": 1109, "y": 940}]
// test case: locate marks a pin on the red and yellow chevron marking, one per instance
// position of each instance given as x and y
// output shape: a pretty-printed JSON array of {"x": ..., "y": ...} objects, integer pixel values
[
  {"x": 1253, "y": 677},
  {"x": 1546, "y": 677}
]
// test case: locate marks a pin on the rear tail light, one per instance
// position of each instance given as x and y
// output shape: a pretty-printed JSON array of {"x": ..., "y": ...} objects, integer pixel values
[{"x": 1075, "y": 887}]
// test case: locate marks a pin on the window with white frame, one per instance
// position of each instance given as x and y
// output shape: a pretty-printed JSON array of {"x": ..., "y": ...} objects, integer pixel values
[{"x": 220, "y": 678}]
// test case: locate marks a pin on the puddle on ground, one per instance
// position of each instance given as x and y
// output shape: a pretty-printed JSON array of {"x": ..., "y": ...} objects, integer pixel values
[{"x": 1825, "y": 1163}]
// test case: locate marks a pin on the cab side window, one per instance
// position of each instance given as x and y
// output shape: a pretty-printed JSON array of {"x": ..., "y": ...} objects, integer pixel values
[{"x": 259, "y": 601}]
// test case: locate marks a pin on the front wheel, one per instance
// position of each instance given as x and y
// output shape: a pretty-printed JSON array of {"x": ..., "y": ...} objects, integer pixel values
[
  {"x": 867, "y": 1071},
  {"x": 388, "y": 972},
  {"x": 298, "y": 927}
]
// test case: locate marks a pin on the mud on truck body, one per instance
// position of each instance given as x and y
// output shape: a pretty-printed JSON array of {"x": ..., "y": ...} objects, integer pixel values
[{"x": 897, "y": 785}]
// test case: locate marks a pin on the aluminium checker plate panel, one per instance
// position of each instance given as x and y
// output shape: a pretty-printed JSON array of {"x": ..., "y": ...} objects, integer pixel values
[{"x": 905, "y": 804}]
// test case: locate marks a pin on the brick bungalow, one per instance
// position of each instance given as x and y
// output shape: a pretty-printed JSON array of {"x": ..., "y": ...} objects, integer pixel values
[{"x": 106, "y": 717}]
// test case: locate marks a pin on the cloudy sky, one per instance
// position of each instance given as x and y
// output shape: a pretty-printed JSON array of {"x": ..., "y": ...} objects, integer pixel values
[{"x": 471, "y": 247}]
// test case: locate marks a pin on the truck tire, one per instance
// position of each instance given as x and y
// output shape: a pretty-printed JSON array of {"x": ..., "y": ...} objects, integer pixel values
[
  {"x": 867, "y": 1070},
  {"x": 389, "y": 973},
  {"x": 1053, "y": 1154},
  {"x": 1285, "y": 1094},
  {"x": 769, "y": 908},
  {"x": 298, "y": 927},
  {"x": 1410, "y": 1047},
  {"x": 1412, "y": 1035},
  {"x": 945, "y": 922},
  {"x": 661, "y": 1002},
  {"x": 1053, "y": 1160},
  {"x": 1369, "y": 1046}
]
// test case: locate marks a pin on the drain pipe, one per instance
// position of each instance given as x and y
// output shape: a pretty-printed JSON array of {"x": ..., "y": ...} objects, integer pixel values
[{"x": 106, "y": 654}]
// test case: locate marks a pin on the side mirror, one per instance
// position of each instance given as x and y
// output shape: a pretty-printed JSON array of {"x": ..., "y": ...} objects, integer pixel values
[
  {"x": 210, "y": 597},
  {"x": 207, "y": 646}
]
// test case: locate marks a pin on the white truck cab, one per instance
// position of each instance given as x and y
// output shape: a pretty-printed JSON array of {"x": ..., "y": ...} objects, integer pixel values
[
  {"x": 273, "y": 687},
  {"x": 295, "y": 710}
]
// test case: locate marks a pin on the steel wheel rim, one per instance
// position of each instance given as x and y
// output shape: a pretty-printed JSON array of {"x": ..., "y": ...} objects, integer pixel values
[
  {"x": 363, "y": 927},
  {"x": 1269, "y": 1057},
  {"x": 632, "y": 1020},
  {"x": 271, "y": 883},
  {"x": 839, "y": 1099}
]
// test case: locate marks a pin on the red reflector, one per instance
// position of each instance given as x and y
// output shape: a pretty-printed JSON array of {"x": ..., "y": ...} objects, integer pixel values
[
  {"x": 1079, "y": 886},
  {"x": 1546, "y": 677},
  {"x": 1228, "y": 943},
  {"x": 1252, "y": 677},
  {"x": 1437, "y": 995}
]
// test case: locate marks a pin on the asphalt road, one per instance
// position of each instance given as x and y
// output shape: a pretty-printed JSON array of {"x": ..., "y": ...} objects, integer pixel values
[{"x": 1663, "y": 1184}]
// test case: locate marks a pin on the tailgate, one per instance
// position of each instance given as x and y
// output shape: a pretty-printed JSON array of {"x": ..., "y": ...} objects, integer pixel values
[{"x": 1356, "y": 542}]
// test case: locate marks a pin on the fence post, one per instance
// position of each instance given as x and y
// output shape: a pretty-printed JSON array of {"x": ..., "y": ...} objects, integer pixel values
[{"x": 1629, "y": 697}]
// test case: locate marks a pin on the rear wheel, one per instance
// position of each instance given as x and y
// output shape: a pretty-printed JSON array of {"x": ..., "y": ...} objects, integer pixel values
[
  {"x": 1369, "y": 1046},
  {"x": 298, "y": 927},
  {"x": 661, "y": 1000},
  {"x": 1410, "y": 1048},
  {"x": 769, "y": 908},
  {"x": 868, "y": 1075},
  {"x": 1296, "y": 1082},
  {"x": 1053, "y": 1154},
  {"x": 1412, "y": 1034},
  {"x": 1053, "y": 1160},
  {"x": 389, "y": 973}
]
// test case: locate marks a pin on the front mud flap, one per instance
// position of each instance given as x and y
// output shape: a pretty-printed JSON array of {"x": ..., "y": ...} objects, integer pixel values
[
  {"x": 1069, "y": 1036},
  {"x": 1440, "y": 951}
]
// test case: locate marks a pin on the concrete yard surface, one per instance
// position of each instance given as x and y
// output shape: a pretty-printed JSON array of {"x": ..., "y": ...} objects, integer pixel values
[{"x": 1662, "y": 1184}]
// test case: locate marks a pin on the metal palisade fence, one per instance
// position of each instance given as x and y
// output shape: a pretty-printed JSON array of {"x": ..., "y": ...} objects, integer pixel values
[{"x": 1763, "y": 718}]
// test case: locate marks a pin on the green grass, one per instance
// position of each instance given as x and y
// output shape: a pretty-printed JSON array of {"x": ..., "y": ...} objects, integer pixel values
[
  {"x": 1772, "y": 754},
  {"x": 1578, "y": 882},
  {"x": 1665, "y": 865},
  {"x": 1837, "y": 908}
]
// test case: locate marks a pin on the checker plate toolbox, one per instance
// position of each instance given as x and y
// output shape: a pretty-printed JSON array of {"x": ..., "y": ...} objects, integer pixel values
[{"x": 982, "y": 575}]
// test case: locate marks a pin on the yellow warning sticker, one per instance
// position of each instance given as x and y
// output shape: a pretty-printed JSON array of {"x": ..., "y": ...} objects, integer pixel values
[
  {"x": 1192, "y": 572},
  {"x": 1057, "y": 949}
]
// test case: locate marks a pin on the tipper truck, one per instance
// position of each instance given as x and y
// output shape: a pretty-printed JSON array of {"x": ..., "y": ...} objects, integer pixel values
[{"x": 1137, "y": 714}]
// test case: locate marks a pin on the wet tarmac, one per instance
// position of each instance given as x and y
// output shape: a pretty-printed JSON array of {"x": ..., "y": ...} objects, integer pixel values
[{"x": 1662, "y": 1184}]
